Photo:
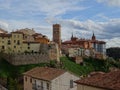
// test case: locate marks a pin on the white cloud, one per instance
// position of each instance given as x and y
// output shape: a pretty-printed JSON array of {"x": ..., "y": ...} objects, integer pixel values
[
  {"x": 19, "y": 10},
  {"x": 48, "y": 7},
  {"x": 12, "y": 25},
  {"x": 108, "y": 30},
  {"x": 110, "y": 2},
  {"x": 114, "y": 42},
  {"x": 4, "y": 25},
  {"x": 101, "y": 16},
  {"x": 45, "y": 30}
]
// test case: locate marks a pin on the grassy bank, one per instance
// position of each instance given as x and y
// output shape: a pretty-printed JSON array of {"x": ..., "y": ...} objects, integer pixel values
[{"x": 89, "y": 65}]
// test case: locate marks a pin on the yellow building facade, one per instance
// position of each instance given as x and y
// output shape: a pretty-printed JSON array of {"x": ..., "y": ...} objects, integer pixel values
[{"x": 15, "y": 42}]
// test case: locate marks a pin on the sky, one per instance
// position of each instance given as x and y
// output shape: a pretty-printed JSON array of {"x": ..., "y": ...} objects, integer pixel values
[{"x": 80, "y": 17}]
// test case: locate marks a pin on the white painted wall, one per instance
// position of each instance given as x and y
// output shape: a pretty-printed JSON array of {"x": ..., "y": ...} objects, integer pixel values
[{"x": 63, "y": 82}]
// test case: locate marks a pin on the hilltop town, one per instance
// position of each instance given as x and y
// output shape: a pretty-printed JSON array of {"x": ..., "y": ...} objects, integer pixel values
[{"x": 38, "y": 63}]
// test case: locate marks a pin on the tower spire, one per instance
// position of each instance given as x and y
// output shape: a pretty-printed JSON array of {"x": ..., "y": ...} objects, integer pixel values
[
  {"x": 93, "y": 33},
  {"x": 72, "y": 35},
  {"x": 93, "y": 36}
]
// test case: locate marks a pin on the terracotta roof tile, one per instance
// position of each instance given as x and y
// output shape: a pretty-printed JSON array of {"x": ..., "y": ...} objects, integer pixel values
[
  {"x": 30, "y": 42},
  {"x": 44, "y": 73},
  {"x": 99, "y": 42},
  {"x": 17, "y": 32},
  {"x": 5, "y": 35},
  {"x": 109, "y": 80}
]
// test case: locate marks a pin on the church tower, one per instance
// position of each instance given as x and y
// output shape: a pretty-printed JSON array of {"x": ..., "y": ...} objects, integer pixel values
[
  {"x": 57, "y": 34},
  {"x": 93, "y": 37}
]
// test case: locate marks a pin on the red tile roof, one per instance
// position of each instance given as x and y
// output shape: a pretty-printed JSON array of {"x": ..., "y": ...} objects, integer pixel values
[
  {"x": 17, "y": 32},
  {"x": 5, "y": 35},
  {"x": 109, "y": 80},
  {"x": 83, "y": 40},
  {"x": 30, "y": 42},
  {"x": 44, "y": 73},
  {"x": 99, "y": 42}
]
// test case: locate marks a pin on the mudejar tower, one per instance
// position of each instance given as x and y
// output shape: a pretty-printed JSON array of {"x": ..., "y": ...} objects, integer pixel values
[{"x": 57, "y": 34}]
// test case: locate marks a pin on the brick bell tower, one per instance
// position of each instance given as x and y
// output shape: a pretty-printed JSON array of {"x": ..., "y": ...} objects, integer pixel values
[{"x": 57, "y": 34}]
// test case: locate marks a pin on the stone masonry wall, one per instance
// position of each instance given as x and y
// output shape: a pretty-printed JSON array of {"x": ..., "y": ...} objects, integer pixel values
[
  {"x": 23, "y": 59},
  {"x": 47, "y": 53}
]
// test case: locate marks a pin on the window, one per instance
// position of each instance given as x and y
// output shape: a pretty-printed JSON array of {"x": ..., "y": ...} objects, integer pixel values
[
  {"x": 3, "y": 47},
  {"x": 33, "y": 86},
  {"x": 25, "y": 37},
  {"x": 28, "y": 47},
  {"x": 71, "y": 83},
  {"x": 48, "y": 86},
  {"x": 25, "y": 78},
  {"x": 14, "y": 36},
  {"x": 30, "y": 80},
  {"x": 9, "y": 42},
  {"x": 18, "y": 42},
  {"x": 14, "y": 41},
  {"x": 28, "y": 44},
  {"x": 14, "y": 46},
  {"x": 41, "y": 85}
]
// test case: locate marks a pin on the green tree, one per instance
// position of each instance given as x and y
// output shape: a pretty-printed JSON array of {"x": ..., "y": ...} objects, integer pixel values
[{"x": 12, "y": 84}]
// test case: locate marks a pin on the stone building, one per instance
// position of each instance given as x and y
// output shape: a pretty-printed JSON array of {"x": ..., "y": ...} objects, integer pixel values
[
  {"x": 90, "y": 47},
  {"x": 99, "y": 46},
  {"x": 10, "y": 43},
  {"x": 45, "y": 78},
  {"x": 33, "y": 53},
  {"x": 31, "y": 35},
  {"x": 100, "y": 81},
  {"x": 32, "y": 47},
  {"x": 20, "y": 42}
]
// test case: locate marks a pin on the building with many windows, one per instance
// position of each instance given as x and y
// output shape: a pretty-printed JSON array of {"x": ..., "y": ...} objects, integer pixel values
[
  {"x": 11, "y": 42},
  {"x": 84, "y": 47},
  {"x": 19, "y": 42},
  {"x": 45, "y": 78}
]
